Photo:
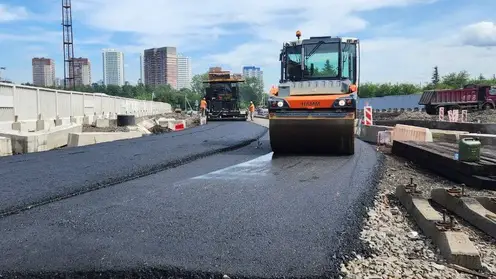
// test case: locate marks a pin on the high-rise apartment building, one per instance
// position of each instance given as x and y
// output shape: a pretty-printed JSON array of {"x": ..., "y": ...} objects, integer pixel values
[
  {"x": 184, "y": 73},
  {"x": 113, "y": 67},
  {"x": 161, "y": 66},
  {"x": 43, "y": 72},
  {"x": 252, "y": 71},
  {"x": 82, "y": 71}
]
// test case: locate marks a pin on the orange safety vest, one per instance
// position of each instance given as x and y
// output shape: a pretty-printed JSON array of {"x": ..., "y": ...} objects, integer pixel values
[
  {"x": 252, "y": 107},
  {"x": 203, "y": 104}
]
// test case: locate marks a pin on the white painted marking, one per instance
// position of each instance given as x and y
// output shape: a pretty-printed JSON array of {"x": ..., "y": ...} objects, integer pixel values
[{"x": 255, "y": 167}]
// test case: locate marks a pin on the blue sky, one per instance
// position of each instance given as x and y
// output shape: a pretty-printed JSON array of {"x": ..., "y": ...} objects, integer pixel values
[{"x": 401, "y": 39}]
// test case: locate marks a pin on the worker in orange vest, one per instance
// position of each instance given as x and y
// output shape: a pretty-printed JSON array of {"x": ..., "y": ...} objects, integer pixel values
[
  {"x": 252, "y": 110},
  {"x": 353, "y": 88},
  {"x": 203, "y": 106}
]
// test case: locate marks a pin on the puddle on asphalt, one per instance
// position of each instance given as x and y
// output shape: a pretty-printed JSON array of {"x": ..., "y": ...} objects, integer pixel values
[{"x": 256, "y": 167}]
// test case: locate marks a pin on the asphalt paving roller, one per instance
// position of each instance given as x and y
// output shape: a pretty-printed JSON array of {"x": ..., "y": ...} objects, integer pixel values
[{"x": 314, "y": 108}]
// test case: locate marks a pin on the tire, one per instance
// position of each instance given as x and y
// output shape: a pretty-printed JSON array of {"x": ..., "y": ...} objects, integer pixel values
[{"x": 487, "y": 106}]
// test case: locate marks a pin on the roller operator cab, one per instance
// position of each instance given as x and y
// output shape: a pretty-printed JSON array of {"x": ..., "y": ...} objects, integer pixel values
[{"x": 314, "y": 109}]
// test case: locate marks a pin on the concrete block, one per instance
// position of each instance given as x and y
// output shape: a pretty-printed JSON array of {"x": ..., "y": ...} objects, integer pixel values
[
  {"x": 40, "y": 125},
  {"x": 25, "y": 142},
  {"x": 87, "y": 120},
  {"x": 138, "y": 128},
  {"x": 488, "y": 203},
  {"x": 16, "y": 126},
  {"x": 446, "y": 135},
  {"x": 369, "y": 133},
  {"x": 177, "y": 125},
  {"x": 102, "y": 123},
  {"x": 148, "y": 124},
  {"x": 58, "y": 122},
  {"x": 411, "y": 133},
  {"x": 164, "y": 122},
  {"x": 468, "y": 208},
  {"x": 5, "y": 146},
  {"x": 455, "y": 246},
  {"x": 81, "y": 139},
  {"x": 485, "y": 139}
]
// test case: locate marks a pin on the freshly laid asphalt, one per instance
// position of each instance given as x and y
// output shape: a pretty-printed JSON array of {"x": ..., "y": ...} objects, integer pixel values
[
  {"x": 270, "y": 217},
  {"x": 37, "y": 178}
]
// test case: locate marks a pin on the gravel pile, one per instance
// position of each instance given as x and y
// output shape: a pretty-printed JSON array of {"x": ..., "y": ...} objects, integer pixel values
[
  {"x": 415, "y": 115},
  {"x": 400, "y": 250}
]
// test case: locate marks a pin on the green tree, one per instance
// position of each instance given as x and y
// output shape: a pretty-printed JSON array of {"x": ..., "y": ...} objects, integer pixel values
[
  {"x": 251, "y": 90},
  {"x": 197, "y": 85}
]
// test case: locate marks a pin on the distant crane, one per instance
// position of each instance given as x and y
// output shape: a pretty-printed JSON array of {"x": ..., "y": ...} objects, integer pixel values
[{"x": 68, "y": 42}]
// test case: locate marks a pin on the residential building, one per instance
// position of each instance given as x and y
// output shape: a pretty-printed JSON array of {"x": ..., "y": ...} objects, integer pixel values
[
  {"x": 161, "y": 66},
  {"x": 82, "y": 71},
  {"x": 113, "y": 67},
  {"x": 43, "y": 72},
  {"x": 252, "y": 71},
  {"x": 184, "y": 73}
]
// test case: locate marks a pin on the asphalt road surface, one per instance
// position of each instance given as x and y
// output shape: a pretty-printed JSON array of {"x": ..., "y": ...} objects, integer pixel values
[
  {"x": 269, "y": 217},
  {"x": 37, "y": 178}
]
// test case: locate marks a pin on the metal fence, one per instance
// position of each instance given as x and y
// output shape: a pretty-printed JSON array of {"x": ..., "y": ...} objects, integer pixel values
[{"x": 29, "y": 103}]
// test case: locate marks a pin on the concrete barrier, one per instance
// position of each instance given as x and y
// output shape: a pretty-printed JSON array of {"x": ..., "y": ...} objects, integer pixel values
[
  {"x": 446, "y": 135},
  {"x": 443, "y": 125},
  {"x": 177, "y": 125},
  {"x": 81, "y": 139},
  {"x": 467, "y": 208},
  {"x": 25, "y": 142},
  {"x": 5, "y": 146},
  {"x": 369, "y": 133},
  {"x": 203, "y": 120},
  {"x": 411, "y": 133},
  {"x": 27, "y": 104},
  {"x": 454, "y": 245}
]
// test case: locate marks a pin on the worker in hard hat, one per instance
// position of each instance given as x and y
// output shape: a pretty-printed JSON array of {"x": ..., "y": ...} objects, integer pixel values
[
  {"x": 274, "y": 91},
  {"x": 252, "y": 110},
  {"x": 203, "y": 107}
]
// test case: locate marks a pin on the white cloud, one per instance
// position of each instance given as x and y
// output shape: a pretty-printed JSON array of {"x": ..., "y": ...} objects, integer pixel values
[
  {"x": 177, "y": 23},
  {"x": 479, "y": 34},
  {"x": 10, "y": 13}
]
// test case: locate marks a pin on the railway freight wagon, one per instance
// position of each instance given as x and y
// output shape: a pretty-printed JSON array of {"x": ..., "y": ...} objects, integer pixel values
[{"x": 471, "y": 97}]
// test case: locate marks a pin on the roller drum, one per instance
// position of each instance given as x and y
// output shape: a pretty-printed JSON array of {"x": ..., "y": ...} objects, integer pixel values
[{"x": 319, "y": 136}]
